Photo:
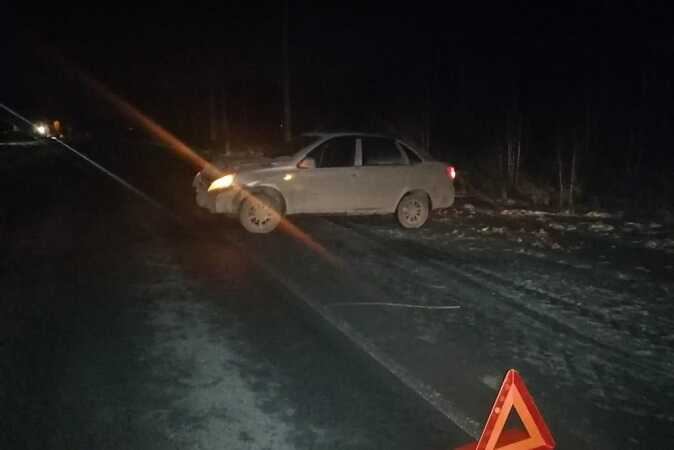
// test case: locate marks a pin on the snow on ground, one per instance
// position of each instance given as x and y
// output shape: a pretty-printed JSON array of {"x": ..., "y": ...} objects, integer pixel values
[
  {"x": 517, "y": 224},
  {"x": 198, "y": 363},
  {"x": 582, "y": 304}
]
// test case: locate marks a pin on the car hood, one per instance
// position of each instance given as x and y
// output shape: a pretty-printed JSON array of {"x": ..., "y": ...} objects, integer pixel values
[{"x": 238, "y": 164}]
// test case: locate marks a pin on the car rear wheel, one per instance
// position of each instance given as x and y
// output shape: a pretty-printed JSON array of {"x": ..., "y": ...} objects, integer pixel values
[
  {"x": 413, "y": 210},
  {"x": 259, "y": 213}
]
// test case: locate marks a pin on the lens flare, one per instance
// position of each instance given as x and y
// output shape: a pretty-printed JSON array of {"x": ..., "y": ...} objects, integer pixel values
[
  {"x": 182, "y": 149},
  {"x": 134, "y": 114}
]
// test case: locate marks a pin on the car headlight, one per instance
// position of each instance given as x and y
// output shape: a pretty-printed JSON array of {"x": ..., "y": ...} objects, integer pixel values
[
  {"x": 221, "y": 183},
  {"x": 41, "y": 129}
]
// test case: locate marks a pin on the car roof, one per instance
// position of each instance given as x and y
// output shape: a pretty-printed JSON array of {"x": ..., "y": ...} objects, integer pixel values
[{"x": 337, "y": 133}]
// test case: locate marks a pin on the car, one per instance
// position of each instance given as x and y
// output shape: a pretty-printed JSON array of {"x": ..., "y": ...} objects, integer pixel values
[
  {"x": 328, "y": 173},
  {"x": 12, "y": 135}
]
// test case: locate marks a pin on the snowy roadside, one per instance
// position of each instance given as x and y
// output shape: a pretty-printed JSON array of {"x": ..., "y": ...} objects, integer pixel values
[
  {"x": 199, "y": 364},
  {"x": 541, "y": 228},
  {"x": 621, "y": 322},
  {"x": 601, "y": 345},
  {"x": 629, "y": 310}
]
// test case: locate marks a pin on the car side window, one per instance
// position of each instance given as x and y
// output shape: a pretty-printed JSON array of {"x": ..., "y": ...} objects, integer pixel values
[
  {"x": 381, "y": 152},
  {"x": 337, "y": 152}
]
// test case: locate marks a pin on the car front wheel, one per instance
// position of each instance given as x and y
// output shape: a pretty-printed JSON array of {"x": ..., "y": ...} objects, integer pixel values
[
  {"x": 413, "y": 210},
  {"x": 259, "y": 213}
]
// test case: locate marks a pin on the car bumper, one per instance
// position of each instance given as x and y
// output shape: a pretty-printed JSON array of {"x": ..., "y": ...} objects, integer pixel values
[{"x": 443, "y": 198}]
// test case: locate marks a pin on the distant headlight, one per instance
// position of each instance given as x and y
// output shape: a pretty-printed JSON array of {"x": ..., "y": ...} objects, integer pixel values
[
  {"x": 41, "y": 129},
  {"x": 221, "y": 183}
]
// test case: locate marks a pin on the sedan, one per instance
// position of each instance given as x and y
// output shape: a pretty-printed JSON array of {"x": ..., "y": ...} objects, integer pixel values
[{"x": 329, "y": 173}]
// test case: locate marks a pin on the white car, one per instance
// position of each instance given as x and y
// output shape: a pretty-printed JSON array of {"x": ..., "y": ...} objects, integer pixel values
[{"x": 329, "y": 173}]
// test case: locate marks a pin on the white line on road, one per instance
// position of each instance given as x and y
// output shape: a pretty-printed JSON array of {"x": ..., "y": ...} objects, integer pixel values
[{"x": 399, "y": 305}]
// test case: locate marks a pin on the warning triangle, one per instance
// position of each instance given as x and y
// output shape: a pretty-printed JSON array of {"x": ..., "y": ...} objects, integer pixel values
[{"x": 513, "y": 395}]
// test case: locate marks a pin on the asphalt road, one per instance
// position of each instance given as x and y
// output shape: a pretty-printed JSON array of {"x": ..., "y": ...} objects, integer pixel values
[
  {"x": 121, "y": 328},
  {"x": 129, "y": 326}
]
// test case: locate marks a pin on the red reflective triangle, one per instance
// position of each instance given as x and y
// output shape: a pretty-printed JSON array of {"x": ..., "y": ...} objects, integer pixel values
[{"x": 514, "y": 394}]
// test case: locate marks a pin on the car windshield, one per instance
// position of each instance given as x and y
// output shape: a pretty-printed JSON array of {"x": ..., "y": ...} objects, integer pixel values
[{"x": 294, "y": 145}]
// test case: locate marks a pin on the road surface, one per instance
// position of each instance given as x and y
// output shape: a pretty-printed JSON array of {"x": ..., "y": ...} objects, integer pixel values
[
  {"x": 123, "y": 329},
  {"x": 141, "y": 327}
]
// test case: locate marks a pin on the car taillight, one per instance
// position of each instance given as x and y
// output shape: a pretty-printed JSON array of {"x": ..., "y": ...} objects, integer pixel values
[{"x": 451, "y": 172}]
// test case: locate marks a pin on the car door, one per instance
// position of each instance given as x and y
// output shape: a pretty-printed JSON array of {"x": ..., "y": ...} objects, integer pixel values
[
  {"x": 383, "y": 175},
  {"x": 327, "y": 188}
]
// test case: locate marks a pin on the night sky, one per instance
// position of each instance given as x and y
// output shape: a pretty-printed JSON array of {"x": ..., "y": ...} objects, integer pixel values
[{"x": 465, "y": 70}]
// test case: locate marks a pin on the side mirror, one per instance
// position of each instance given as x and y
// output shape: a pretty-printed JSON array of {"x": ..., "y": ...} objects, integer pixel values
[{"x": 307, "y": 163}]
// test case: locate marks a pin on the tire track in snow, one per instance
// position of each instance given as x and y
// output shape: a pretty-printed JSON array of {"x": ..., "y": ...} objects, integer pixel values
[{"x": 512, "y": 300}]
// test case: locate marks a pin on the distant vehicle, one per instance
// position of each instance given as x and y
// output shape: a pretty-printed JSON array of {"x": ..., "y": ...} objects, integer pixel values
[
  {"x": 18, "y": 134},
  {"x": 49, "y": 128},
  {"x": 12, "y": 135},
  {"x": 329, "y": 173}
]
